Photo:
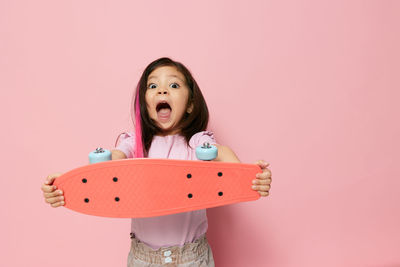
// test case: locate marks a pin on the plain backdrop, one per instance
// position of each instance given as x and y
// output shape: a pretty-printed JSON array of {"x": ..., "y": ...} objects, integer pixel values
[{"x": 312, "y": 87}]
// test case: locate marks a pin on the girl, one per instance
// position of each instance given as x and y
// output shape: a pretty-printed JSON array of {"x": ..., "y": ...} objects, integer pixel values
[{"x": 171, "y": 118}]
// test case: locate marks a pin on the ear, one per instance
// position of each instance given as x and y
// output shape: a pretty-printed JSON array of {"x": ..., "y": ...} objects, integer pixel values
[{"x": 190, "y": 108}]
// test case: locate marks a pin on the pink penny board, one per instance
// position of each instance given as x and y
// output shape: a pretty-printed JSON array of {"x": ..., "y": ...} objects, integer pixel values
[{"x": 132, "y": 188}]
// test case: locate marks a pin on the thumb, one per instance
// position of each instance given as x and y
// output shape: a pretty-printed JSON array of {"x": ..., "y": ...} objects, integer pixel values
[
  {"x": 262, "y": 163},
  {"x": 50, "y": 179}
]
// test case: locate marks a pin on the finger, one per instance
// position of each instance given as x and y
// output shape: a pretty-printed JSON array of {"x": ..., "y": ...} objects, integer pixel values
[
  {"x": 262, "y": 164},
  {"x": 261, "y": 187},
  {"x": 48, "y": 188},
  {"x": 49, "y": 180},
  {"x": 263, "y": 175},
  {"x": 58, "y": 204},
  {"x": 267, "y": 171},
  {"x": 261, "y": 181},
  {"x": 53, "y": 194},
  {"x": 263, "y": 194},
  {"x": 52, "y": 200}
]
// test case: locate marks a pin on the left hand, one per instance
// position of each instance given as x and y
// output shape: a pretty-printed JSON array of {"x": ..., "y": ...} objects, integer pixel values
[{"x": 263, "y": 180}]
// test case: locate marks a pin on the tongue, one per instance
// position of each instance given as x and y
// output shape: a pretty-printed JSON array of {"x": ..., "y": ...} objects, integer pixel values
[{"x": 163, "y": 114}]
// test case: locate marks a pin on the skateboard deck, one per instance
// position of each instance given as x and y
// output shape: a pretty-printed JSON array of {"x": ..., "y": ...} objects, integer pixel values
[{"x": 134, "y": 188}]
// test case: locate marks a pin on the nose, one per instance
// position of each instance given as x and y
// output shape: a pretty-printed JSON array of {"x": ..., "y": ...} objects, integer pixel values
[{"x": 162, "y": 91}]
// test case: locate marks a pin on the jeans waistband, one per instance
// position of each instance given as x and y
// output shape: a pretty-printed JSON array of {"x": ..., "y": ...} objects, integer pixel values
[{"x": 173, "y": 254}]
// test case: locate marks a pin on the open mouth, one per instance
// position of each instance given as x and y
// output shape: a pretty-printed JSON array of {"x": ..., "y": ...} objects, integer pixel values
[
  {"x": 162, "y": 106},
  {"x": 163, "y": 111}
]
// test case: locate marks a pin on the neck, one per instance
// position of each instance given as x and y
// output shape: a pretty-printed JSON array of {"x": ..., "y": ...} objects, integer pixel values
[{"x": 166, "y": 133}]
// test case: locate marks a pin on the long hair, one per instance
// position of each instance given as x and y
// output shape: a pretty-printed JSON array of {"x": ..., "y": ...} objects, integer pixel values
[{"x": 146, "y": 128}]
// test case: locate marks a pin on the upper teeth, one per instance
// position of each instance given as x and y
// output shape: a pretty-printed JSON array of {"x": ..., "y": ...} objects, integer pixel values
[{"x": 161, "y": 105}]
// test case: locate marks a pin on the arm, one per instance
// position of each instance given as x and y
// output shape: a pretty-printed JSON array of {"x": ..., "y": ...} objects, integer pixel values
[
  {"x": 226, "y": 154},
  {"x": 117, "y": 154}
]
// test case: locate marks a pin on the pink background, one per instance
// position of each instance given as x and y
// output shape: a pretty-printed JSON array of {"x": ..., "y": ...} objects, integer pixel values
[{"x": 312, "y": 87}]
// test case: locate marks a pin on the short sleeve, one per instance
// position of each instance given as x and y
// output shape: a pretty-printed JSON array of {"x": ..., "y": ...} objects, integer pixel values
[
  {"x": 202, "y": 137},
  {"x": 126, "y": 143}
]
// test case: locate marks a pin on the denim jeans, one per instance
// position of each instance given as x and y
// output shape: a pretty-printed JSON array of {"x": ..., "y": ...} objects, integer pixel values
[{"x": 196, "y": 254}]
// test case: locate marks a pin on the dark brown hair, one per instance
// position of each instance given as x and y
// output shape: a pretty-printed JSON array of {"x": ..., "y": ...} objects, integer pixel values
[{"x": 190, "y": 124}]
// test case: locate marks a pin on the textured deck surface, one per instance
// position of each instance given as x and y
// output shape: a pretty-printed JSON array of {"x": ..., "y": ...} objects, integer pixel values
[{"x": 133, "y": 188}]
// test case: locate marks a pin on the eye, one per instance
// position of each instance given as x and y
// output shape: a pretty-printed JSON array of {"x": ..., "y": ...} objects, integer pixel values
[
  {"x": 176, "y": 85},
  {"x": 150, "y": 86}
]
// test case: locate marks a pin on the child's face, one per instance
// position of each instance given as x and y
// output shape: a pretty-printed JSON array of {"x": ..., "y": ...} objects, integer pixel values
[{"x": 167, "y": 85}]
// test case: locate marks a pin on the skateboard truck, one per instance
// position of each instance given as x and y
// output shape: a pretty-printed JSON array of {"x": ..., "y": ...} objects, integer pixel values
[
  {"x": 206, "y": 152},
  {"x": 99, "y": 150},
  {"x": 206, "y": 145},
  {"x": 99, "y": 155}
]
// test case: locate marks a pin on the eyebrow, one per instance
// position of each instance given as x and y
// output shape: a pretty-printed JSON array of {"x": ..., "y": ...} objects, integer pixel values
[{"x": 151, "y": 77}]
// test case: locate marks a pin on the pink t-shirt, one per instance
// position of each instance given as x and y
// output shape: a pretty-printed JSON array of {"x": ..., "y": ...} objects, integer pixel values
[{"x": 175, "y": 229}]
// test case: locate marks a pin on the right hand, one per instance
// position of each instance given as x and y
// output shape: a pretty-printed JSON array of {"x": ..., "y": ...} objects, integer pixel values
[{"x": 51, "y": 195}]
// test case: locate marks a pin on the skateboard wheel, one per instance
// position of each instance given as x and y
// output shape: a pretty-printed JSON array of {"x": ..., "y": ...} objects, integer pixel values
[
  {"x": 99, "y": 155},
  {"x": 206, "y": 152}
]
